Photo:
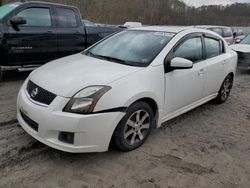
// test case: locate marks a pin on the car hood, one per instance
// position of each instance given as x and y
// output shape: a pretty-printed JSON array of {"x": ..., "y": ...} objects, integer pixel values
[
  {"x": 244, "y": 48},
  {"x": 66, "y": 76}
]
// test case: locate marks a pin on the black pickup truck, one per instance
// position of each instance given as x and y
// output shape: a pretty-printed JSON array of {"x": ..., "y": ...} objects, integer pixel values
[{"x": 33, "y": 33}]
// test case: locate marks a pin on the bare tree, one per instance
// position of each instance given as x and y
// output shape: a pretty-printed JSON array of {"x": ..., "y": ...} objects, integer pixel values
[{"x": 164, "y": 12}]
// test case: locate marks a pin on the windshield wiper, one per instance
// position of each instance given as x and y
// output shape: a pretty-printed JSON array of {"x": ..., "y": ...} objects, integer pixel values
[
  {"x": 113, "y": 59},
  {"x": 107, "y": 58}
]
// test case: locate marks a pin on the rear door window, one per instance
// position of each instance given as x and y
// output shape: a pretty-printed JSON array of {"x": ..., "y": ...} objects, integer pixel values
[
  {"x": 190, "y": 49},
  {"x": 66, "y": 17},
  {"x": 213, "y": 47},
  {"x": 36, "y": 17}
]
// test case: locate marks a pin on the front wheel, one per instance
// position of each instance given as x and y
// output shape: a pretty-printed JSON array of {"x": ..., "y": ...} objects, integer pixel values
[
  {"x": 225, "y": 90},
  {"x": 135, "y": 127}
]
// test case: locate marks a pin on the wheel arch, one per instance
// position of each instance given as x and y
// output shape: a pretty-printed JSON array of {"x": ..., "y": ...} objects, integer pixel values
[
  {"x": 231, "y": 74},
  {"x": 152, "y": 103}
]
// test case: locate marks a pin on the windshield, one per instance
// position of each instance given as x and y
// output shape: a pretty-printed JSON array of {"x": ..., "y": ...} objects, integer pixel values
[
  {"x": 131, "y": 47},
  {"x": 4, "y": 10},
  {"x": 246, "y": 40}
]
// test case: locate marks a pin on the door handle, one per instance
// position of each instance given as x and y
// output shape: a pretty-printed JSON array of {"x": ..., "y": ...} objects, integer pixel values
[{"x": 201, "y": 72}]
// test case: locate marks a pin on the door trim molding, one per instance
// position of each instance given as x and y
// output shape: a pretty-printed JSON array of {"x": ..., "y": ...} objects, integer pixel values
[{"x": 188, "y": 107}]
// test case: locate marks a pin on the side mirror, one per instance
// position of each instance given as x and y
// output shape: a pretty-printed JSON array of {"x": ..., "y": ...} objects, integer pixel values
[
  {"x": 16, "y": 21},
  {"x": 237, "y": 41},
  {"x": 181, "y": 63}
]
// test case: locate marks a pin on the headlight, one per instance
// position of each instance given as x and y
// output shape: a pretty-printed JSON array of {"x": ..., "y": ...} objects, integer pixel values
[{"x": 85, "y": 100}]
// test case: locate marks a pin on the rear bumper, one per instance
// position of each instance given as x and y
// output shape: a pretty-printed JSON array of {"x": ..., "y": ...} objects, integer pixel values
[{"x": 92, "y": 133}]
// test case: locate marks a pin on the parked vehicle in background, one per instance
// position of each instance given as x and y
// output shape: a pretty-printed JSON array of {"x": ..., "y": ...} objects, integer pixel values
[
  {"x": 243, "y": 50},
  {"x": 96, "y": 32},
  {"x": 125, "y": 86},
  {"x": 225, "y": 32},
  {"x": 33, "y": 33},
  {"x": 132, "y": 24},
  {"x": 238, "y": 35}
]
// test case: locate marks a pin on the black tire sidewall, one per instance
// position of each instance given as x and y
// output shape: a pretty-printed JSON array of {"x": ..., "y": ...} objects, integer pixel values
[{"x": 119, "y": 139}]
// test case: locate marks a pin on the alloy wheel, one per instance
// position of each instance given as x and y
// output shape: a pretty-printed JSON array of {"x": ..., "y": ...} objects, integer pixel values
[
  {"x": 137, "y": 127},
  {"x": 226, "y": 89}
]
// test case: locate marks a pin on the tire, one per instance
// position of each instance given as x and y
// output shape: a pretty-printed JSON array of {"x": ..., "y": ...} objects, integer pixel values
[
  {"x": 225, "y": 90},
  {"x": 135, "y": 127}
]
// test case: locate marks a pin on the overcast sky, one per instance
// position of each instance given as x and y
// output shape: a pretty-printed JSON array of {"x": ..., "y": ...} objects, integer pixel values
[{"x": 198, "y": 3}]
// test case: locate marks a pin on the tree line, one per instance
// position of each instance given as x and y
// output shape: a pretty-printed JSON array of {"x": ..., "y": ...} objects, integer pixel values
[{"x": 160, "y": 12}]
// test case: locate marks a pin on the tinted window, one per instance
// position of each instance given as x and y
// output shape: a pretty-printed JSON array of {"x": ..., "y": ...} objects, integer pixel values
[
  {"x": 191, "y": 49},
  {"x": 216, "y": 30},
  {"x": 38, "y": 17},
  {"x": 66, "y": 17},
  {"x": 227, "y": 32},
  {"x": 137, "y": 48},
  {"x": 213, "y": 47}
]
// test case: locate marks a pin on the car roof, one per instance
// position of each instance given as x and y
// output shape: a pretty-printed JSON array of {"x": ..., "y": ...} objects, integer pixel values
[
  {"x": 210, "y": 26},
  {"x": 45, "y": 3},
  {"x": 170, "y": 29}
]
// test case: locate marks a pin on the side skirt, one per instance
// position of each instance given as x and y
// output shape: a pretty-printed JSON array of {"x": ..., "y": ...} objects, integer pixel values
[{"x": 188, "y": 107}]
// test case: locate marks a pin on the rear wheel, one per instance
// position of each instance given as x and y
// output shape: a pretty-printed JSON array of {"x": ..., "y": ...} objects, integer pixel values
[
  {"x": 135, "y": 127},
  {"x": 225, "y": 90}
]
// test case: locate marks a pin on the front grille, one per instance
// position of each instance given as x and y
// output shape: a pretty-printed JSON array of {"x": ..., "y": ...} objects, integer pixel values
[
  {"x": 39, "y": 94},
  {"x": 32, "y": 124}
]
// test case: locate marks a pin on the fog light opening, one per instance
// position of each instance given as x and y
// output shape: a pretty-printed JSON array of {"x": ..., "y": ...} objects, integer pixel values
[{"x": 66, "y": 137}]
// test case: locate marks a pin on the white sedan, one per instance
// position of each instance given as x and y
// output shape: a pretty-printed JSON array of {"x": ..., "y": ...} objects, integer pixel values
[{"x": 124, "y": 86}]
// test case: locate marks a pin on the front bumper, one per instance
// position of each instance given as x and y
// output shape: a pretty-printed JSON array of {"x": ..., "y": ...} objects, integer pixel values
[{"x": 92, "y": 133}]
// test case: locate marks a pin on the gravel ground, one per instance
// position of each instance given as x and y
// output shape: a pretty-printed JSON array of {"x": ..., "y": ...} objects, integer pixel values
[{"x": 207, "y": 147}]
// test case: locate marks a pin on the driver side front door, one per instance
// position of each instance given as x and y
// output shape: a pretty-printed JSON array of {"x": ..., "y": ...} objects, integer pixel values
[
  {"x": 34, "y": 42},
  {"x": 184, "y": 88}
]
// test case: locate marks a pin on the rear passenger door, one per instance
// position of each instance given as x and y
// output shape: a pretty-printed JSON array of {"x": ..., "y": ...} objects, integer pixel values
[
  {"x": 214, "y": 64},
  {"x": 70, "y": 31}
]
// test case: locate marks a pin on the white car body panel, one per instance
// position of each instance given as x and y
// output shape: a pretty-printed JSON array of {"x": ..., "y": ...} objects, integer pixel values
[
  {"x": 87, "y": 71},
  {"x": 175, "y": 93},
  {"x": 52, "y": 118}
]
